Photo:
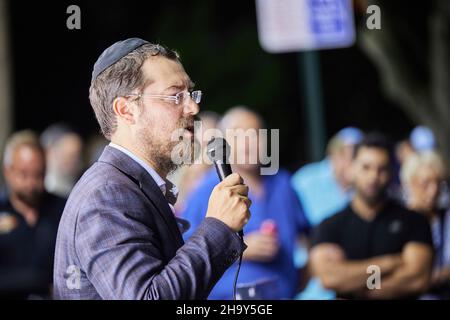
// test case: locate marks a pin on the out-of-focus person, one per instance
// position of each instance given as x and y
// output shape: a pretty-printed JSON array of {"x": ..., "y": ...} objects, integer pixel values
[
  {"x": 94, "y": 148},
  {"x": 324, "y": 188},
  {"x": 422, "y": 139},
  {"x": 63, "y": 147},
  {"x": 373, "y": 231},
  {"x": 188, "y": 178},
  {"x": 29, "y": 218},
  {"x": 403, "y": 151},
  {"x": 277, "y": 215},
  {"x": 422, "y": 177}
]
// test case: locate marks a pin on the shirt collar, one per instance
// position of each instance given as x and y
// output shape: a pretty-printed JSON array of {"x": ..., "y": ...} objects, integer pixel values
[{"x": 159, "y": 181}]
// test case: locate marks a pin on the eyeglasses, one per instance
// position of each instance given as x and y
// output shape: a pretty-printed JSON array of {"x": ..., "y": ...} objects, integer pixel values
[{"x": 180, "y": 98}]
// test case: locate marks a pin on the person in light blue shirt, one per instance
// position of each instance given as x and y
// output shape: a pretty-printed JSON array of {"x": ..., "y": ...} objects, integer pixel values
[
  {"x": 276, "y": 221},
  {"x": 324, "y": 188},
  {"x": 319, "y": 191}
]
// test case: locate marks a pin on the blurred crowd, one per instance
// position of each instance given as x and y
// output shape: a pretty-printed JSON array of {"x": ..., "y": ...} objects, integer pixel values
[{"x": 369, "y": 221}]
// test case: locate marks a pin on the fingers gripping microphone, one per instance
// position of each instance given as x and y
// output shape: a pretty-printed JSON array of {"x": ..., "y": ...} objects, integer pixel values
[{"x": 218, "y": 151}]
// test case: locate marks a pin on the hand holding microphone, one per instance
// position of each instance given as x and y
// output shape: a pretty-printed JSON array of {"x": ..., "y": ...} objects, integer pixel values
[
  {"x": 229, "y": 200},
  {"x": 229, "y": 203}
]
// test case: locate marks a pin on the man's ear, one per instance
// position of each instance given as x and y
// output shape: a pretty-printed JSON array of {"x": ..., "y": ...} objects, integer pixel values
[{"x": 124, "y": 110}]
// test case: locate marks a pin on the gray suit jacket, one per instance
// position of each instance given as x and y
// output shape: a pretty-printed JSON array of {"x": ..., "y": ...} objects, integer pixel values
[{"x": 118, "y": 239}]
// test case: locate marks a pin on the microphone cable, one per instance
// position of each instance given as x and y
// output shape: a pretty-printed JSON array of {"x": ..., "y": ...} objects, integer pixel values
[{"x": 236, "y": 276}]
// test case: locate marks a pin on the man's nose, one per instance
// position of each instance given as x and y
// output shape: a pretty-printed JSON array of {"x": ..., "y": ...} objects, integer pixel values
[
  {"x": 372, "y": 176},
  {"x": 433, "y": 189},
  {"x": 191, "y": 107},
  {"x": 34, "y": 180}
]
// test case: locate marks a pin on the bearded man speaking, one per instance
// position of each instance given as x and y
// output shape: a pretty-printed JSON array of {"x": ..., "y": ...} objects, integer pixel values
[{"x": 118, "y": 237}]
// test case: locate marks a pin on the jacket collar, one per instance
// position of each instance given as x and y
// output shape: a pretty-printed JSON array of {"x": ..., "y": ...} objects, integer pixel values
[{"x": 148, "y": 186}]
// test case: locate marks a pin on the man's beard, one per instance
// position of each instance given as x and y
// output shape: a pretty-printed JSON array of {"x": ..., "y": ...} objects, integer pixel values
[
  {"x": 373, "y": 199},
  {"x": 162, "y": 150}
]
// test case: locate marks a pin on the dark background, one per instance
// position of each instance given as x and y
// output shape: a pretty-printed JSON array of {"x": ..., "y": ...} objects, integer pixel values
[{"x": 219, "y": 47}]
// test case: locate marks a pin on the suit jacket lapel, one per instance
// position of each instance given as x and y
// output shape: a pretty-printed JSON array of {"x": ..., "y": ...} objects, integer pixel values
[
  {"x": 148, "y": 186},
  {"x": 155, "y": 195}
]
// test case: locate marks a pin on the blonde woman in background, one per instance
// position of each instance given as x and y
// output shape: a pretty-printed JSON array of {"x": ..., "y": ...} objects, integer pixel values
[{"x": 422, "y": 176}]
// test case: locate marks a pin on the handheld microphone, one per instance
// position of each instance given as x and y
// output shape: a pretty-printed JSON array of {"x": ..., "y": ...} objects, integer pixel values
[{"x": 218, "y": 151}]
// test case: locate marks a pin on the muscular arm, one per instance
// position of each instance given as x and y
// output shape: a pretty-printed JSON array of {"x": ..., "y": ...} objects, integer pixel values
[
  {"x": 411, "y": 277},
  {"x": 328, "y": 262}
]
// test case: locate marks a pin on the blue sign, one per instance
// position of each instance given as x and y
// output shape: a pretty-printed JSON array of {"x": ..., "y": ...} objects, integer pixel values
[
  {"x": 297, "y": 25},
  {"x": 331, "y": 22}
]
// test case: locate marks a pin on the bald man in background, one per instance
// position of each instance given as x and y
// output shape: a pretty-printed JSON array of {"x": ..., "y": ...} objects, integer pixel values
[
  {"x": 29, "y": 218},
  {"x": 268, "y": 270}
]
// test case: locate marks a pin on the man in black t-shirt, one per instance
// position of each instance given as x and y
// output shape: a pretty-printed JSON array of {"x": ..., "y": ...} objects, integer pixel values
[{"x": 373, "y": 237}]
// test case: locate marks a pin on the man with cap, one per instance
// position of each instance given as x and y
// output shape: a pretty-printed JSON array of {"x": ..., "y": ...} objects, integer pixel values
[{"x": 118, "y": 237}]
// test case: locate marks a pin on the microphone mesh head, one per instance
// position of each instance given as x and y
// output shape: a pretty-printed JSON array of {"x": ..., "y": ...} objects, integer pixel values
[{"x": 218, "y": 149}]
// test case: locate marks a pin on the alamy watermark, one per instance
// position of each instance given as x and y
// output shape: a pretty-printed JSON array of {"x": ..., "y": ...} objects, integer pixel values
[
  {"x": 374, "y": 280},
  {"x": 73, "y": 277},
  {"x": 73, "y": 21},
  {"x": 248, "y": 147},
  {"x": 374, "y": 20}
]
